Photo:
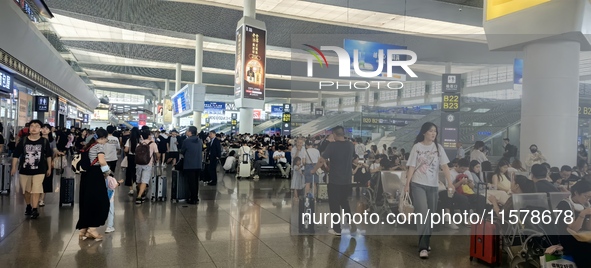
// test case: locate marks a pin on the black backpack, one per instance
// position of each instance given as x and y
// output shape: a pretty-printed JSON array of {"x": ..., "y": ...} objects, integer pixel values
[{"x": 142, "y": 154}]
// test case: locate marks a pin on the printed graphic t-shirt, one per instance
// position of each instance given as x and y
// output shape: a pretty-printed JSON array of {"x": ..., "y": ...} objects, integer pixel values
[
  {"x": 33, "y": 157},
  {"x": 426, "y": 162}
]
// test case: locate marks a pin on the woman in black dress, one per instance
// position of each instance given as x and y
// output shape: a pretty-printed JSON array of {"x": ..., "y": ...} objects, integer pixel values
[
  {"x": 94, "y": 201},
  {"x": 129, "y": 148}
]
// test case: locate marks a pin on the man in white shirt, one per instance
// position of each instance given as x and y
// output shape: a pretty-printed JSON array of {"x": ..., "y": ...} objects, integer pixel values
[
  {"x": 282, "y": 164},
  {"x": 111, "y": 148},
  {"x": 359, "y": 148}
]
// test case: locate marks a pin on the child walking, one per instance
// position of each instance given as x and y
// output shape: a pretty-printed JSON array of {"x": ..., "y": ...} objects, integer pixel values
[
  {"x": 297, "y": 180},
  {"x": 112, "y": 183}
]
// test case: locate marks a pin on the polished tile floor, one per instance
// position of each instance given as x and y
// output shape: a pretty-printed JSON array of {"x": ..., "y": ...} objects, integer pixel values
[{"x": 236, "y": 224}]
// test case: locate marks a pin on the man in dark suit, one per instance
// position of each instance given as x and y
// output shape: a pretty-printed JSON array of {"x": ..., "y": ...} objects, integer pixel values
[{"x": 214, "y": 151}]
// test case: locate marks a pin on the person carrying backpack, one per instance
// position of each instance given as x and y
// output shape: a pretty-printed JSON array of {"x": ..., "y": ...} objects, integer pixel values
[
  {"x": 144, "y": 159},
  {"x": 510, "y": 151}
]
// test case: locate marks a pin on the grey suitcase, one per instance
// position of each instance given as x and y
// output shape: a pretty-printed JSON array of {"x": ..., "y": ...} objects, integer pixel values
[
  {"x": 158, "y": 187},
  {"x": 179, "y": 188}
]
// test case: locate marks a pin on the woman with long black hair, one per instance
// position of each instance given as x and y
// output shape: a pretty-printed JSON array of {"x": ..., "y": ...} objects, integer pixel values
[
  {"x": 48, "y": 181},
  {"x": 422, "y": 180},
  {"x": 94, "y": 200},
  {"x": 130, "y": 145}
]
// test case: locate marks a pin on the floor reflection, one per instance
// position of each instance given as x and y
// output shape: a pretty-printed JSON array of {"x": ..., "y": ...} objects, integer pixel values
[{"x": 239, "y": 223}]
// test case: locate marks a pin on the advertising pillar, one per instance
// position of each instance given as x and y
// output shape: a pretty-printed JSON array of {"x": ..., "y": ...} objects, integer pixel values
[
  {"x": 249, "y": 87},
  {"x": 450, "y": 116}
]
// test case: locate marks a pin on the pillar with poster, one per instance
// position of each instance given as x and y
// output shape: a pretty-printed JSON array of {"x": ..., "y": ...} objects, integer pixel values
[
  {"x": 249, "y": 84},
  {"x": 450, "y": 118}
]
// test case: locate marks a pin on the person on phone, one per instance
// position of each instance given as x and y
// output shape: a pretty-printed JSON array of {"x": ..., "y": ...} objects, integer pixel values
[{"x": 422, "y": 182}]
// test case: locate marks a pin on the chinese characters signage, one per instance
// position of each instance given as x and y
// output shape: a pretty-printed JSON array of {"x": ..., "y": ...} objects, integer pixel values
[
  {"x": 41, "y": 104},
  {"x": 5, "y": 82},
  {"x": 451, "y": 83},
  {"x": 286, "y": 124},
  {"x": 254, "y": 63}
]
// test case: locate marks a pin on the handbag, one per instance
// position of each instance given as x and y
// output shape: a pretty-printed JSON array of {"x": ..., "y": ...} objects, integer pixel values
[
  {"x": 124, "y": 162},
  {"x": 60, "y": 162},
  {"x": 405, "y": 206}
]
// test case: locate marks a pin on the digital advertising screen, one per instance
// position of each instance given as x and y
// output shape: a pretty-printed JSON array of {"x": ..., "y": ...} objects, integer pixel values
[
  {"x": 238, "y": 66},
  {"x": 254, "y": 63}
]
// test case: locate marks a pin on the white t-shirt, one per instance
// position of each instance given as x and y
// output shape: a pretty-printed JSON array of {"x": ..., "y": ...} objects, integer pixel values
[
  {"x": 478, "y": 156},
  {"x": 426, "y": 162},
  {"x": 312, "y": 156},
  {"x": 111, "y": 148},
  {"x": 282, "y": 154},
  {"x": 302, "y": 154},
  {"x": 229, "y": 162}
]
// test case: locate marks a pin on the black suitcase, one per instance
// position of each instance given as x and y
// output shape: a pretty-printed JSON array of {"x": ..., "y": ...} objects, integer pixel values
[
  {"x": 67, "y": 191},
  {"x": 179, "y": 187},
  {"x": 5, "y": 187},
  {"x": 307, "y": 207}
]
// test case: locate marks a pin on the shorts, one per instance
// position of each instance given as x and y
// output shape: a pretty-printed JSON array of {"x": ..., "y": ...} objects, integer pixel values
[
  {"x": 32, "y": 183},
  {"x": 143, "y": 173},
  {"x": 308, "y": 177},
  {"x": 172, "y": 155}
]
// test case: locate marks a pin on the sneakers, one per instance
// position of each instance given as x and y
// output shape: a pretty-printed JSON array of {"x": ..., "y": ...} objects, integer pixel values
[
  {"x": 34, "y": 214},
  {"x": 28, "y": 210},
  {"x": 131, "y": 192},
  {"x": 138, "y": 201},
  {"x": 41, "y": 203},
  {"x": 424, "y": 254},
  {"x": 333, "y": 232},
  {"x": 256, "y": 177},
  {"x": 110, "y": 230}
]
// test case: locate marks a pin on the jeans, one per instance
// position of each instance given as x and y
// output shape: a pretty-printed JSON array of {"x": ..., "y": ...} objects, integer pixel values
[
  {"x": 457, "y": 201},
  {"x": 424, "y": 198},
  {"x": 111, "y": 215},
  {"x": 338, "y": 198},
  {"x": 281, "y": 167}
]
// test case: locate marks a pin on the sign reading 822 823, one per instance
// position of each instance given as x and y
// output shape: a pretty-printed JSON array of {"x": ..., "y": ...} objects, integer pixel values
[{"x": 450, "y": 102}]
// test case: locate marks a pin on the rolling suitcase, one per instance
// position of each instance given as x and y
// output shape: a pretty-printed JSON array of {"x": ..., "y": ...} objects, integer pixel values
[
  {"x": 307, "y": 207},
  {"x": 485, "y": 243},
  {"x": 180, "y": 187},
  {"x": 157, "y": 187},
  {"x": 244, "y": 166},
  {"x": 5, "y": 187},
  {"x": 67, "y": 191}
]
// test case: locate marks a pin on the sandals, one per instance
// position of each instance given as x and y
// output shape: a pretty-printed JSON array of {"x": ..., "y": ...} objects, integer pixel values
[
  {"x": 94, "y": 235},
  {"x": 82, "y": 234}
]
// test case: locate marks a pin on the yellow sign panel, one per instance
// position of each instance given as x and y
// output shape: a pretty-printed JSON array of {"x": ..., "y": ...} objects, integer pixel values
[{"x": 499, "y": 8}]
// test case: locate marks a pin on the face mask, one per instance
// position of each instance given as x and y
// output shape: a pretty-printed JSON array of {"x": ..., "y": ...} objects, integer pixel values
[{"x": 533, "y": 151}]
